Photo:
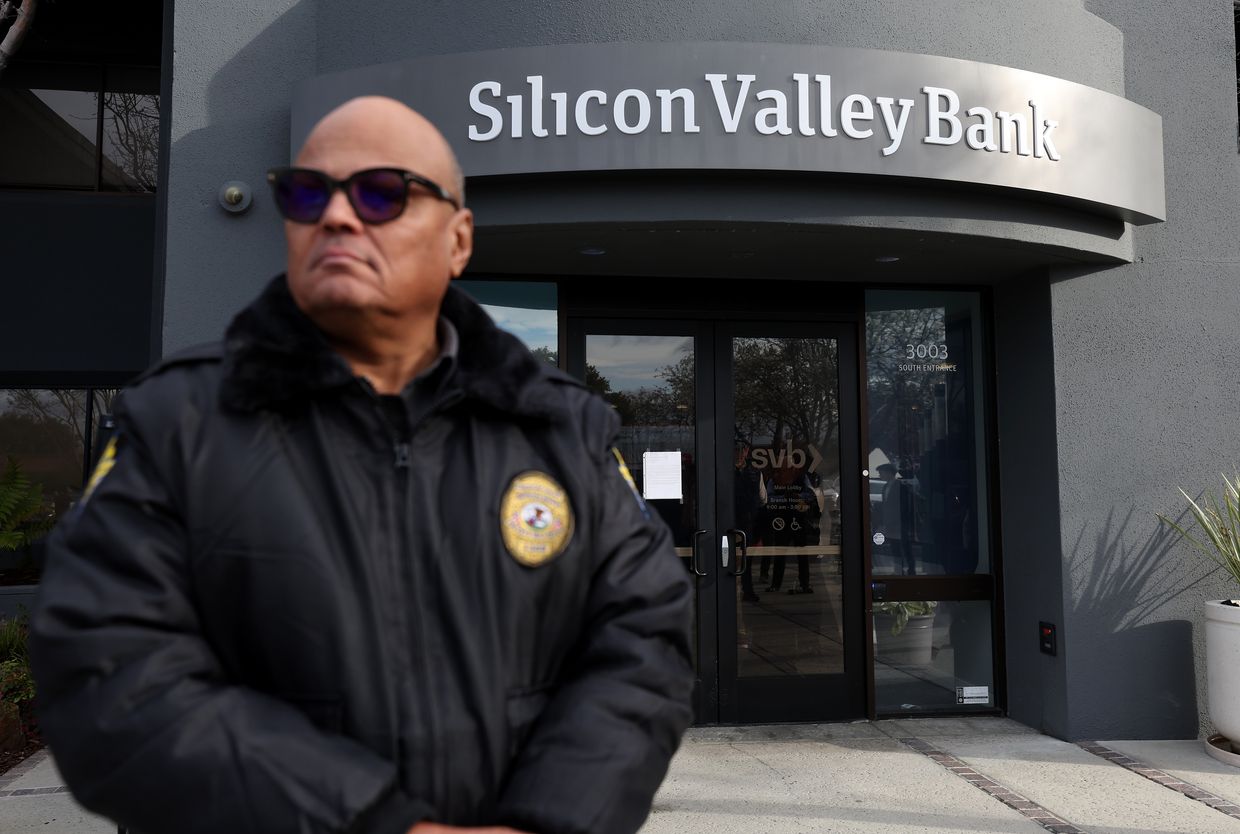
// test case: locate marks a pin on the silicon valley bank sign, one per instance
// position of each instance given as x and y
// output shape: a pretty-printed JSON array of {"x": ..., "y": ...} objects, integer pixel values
[
  {"x": 810, "y": 106},
  {"x": 774, "y": 107}
]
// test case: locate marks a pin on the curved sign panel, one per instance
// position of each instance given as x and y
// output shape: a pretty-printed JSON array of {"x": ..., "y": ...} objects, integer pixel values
[{"x": 773, "y": 107}]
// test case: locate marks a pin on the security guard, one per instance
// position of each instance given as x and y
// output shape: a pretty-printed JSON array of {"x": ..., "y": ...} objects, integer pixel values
[{"x": 368, "y": 565}]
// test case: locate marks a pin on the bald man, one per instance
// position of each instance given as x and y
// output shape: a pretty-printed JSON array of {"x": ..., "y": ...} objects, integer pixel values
[{"x": 367, "y": 565}]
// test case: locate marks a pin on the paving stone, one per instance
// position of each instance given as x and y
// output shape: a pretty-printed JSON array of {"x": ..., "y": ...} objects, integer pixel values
[{"x": 1091, "y": 793}]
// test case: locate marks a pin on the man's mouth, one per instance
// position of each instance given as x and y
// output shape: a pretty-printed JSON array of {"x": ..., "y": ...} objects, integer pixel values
[{"x": 337, "y": 255}]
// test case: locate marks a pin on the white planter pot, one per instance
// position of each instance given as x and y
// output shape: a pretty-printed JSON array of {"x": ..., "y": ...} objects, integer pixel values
[{"x": 1223, "y": 668}]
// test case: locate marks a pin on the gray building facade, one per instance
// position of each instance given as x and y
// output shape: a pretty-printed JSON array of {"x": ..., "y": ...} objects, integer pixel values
[{"x": 1019, "y": 358}]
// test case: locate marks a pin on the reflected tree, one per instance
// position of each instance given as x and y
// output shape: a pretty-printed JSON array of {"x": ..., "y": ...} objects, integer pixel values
[
  {"x": 546, "y": 354},
  {"x": 63, "y": 407},
  {"x": 16, "y": 18},
  {"x": 788, "y": 390},
  {"x": 896, "y": 397},
  {"x": 47, "y": 431},
  {"x": 657, "y": 405},
  {"x": 131, "y": 126},
  {"x": 44, "y": 430}
]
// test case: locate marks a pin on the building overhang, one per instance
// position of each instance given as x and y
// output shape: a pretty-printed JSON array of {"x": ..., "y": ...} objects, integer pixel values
[{"x": 871, "y": 116}]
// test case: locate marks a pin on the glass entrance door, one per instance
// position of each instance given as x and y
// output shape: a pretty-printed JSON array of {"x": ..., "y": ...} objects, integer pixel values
[
  {"x": 740, "y": 435},
  {"x": 787, "y": 412}
]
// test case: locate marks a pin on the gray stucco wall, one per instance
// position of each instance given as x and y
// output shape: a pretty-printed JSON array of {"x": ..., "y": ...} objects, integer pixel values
[
  {"x": 1132, "y": 368},
  {"x": 1056, "y": 37},
  {"x": 1147, "y": 370},
  {"x": 1028, "y": 502},
  {"x": 233, "y": 70}
]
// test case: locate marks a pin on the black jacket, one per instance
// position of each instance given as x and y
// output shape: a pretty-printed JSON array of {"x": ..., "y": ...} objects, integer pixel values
[{"x": 277, "y": 612}]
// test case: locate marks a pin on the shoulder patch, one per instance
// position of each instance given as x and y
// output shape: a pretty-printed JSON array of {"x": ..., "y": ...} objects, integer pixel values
[
  {"x": 536, "y": 518},
  {"x": 628, "y": 479},
  {"x": 106, "y": 461}
]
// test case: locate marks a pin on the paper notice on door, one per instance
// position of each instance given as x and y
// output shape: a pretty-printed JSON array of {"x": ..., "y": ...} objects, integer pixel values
[{"x": 661, "y": 476}]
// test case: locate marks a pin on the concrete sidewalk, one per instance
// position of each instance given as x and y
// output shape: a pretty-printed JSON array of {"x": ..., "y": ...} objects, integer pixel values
[
  {"x": 896, "y": 777},
  {"x": 936, "y": 775}
]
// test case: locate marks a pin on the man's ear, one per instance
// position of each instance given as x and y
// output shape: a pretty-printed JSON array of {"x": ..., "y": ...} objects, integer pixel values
[{"x": 462, "y": 240}]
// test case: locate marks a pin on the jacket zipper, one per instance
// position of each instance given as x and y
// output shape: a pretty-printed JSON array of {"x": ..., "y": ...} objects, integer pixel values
[
  {"x": 417, "y": 579},
  {"x": 423, "y": 687},
  {"x": 412, "y": 680},
  {"x": 441, "y": 786}
]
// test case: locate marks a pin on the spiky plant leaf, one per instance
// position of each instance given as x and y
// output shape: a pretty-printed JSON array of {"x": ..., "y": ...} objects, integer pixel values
[
  {"x": 1215, "y": 528},
  {"x": 13, "y": 632}
]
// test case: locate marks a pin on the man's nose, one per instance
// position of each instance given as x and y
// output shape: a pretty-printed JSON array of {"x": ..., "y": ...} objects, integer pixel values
[{"x": 339, "y": 213}]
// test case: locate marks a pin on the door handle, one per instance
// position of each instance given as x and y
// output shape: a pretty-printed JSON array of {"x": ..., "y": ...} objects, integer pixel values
[
  {"x": 742, "y": 552},
  {"x": 725, "y": 549},
  {"x": 697, "y": 534}
]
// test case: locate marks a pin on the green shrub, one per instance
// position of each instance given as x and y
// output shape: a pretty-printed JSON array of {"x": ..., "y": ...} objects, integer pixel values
[
  {"x": 16, "y": 682},
  {"x": 23, "y": 516},
  {"x": 13, "y": 640},
  {"x": 901, "y": 611}
]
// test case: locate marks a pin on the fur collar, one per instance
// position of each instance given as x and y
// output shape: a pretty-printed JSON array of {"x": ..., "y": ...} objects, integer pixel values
[{"x": 276, "y": 359}]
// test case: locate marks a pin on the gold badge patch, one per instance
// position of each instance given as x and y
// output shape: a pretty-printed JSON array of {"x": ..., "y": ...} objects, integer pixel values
[
  {"x": 536, "y": 519},
  {"x": 106, "y": 461}
]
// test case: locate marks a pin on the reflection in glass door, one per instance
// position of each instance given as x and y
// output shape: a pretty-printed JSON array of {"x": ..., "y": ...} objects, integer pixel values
[
  {"x": 786, "y": 499},
  {"x": 754, "y": 428},
  {"x": 934, "y": 629},
  {"x": 793, "y": 612},
  {"x": 650, "y": 380}
]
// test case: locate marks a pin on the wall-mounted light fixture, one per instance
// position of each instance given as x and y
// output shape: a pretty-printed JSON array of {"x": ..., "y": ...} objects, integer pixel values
[{"x": 235, "y": 197}]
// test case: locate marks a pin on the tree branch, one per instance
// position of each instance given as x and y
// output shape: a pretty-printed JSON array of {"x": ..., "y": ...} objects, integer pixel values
[{"x": 17, "y": 32}]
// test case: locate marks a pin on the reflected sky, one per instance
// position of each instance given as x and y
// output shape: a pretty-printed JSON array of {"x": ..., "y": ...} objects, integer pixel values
[
  {"x": 536, "y": 328},
  {"x": 77, "y": 108},
  {"x": 631, "y": 362}
]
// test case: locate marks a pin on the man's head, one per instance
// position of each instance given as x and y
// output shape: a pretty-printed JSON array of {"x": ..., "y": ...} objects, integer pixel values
[
  {"x": 742, "y": 454},
  {"x": 886, "y": 471},
  {"x": 346, "y": 274}
]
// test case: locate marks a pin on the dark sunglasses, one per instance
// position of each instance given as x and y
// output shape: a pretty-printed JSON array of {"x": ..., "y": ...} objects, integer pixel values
[{"x": 376, "y": 194}]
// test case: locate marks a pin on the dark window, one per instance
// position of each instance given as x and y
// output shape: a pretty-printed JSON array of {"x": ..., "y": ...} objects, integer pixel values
[
  {"x": 46, "y": 433},
  {"x": 927, "y": 456},
  {"x": 928, "y": 500},
  {"x": 57, "y": 136},
  {"x": 48, "y": 138}
]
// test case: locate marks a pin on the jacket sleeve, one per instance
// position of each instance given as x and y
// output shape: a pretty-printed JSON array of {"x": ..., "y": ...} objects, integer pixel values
[
  {"x": 603, "y": 744},
  {"x": 133, "y": 702}
]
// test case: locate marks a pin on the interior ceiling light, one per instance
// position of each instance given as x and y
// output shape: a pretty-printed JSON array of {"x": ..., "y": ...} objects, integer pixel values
[
  {"x": 593, "y": 250},
  {"x": 887, "y": 259}
]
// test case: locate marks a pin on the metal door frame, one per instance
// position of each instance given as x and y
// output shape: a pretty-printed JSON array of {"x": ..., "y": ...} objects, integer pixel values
[
  {"x": 720, "y": 695},
  {"x": 820, "y": 698}
]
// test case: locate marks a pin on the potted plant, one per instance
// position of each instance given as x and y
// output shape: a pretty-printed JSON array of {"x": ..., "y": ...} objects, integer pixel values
[
  {"x": 903, "y": 631},
  {"x": 24, "y": 518},
  {"x": 1215, "y": 532}
]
